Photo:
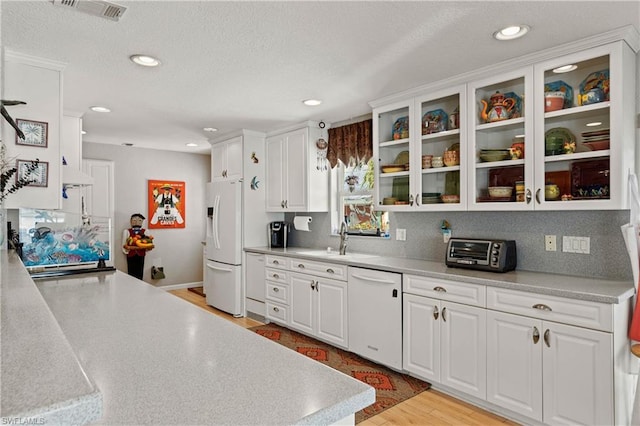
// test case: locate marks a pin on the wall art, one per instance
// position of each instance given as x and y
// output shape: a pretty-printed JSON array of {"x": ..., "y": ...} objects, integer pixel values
[
  {"x": 166, "y": 201},
  {"x": 36, "y": 133},
  {"x": 39, "y": 176}
]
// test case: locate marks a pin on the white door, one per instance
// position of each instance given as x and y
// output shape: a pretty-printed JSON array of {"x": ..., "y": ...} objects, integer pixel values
[
  {"x": 234, "y": 158},
  {"x": 296, "y": 171},
  {"x": 375, "y": 315},
  {"x": 514, "y": 363},
  {"x": 275, "y": 174},
  {"x": 99, "y": 198},
  {"x": 463, "y": 348},
  {"x": 421, "y": 336},
  {"x": 302, "y": 306},
  {"x": 225, "y": 245},
  {"x": 331, "y": 301},
  {"x": 578, "y": 380},
  {"x": 218, "y": 161},
  {"x": 223, "y": 287}
]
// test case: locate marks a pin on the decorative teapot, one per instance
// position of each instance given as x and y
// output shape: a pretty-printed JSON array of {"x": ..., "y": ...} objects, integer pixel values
[{"x": 500, "y": 108}]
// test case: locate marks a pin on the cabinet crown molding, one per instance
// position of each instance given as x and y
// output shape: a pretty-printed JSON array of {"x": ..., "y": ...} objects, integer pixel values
[
  {"x": 242, "y": 132},
  {"x": 13, "y": 56}
]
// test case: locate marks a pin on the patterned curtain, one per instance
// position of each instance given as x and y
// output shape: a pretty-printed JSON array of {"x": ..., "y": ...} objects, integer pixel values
[{"x": 350, "y": 142}]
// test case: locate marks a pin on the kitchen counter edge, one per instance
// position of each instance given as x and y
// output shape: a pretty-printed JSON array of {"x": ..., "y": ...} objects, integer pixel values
[{"x": 573, "y": 287}]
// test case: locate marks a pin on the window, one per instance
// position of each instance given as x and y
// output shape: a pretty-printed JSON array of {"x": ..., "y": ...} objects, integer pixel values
[{"x": 353, "y": 191}]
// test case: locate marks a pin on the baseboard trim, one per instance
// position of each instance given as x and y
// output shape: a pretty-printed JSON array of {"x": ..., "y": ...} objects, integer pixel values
[{"x": 179, "y": 286}]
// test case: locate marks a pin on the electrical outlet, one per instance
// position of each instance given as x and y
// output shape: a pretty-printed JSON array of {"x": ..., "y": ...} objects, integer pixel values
[
  {"x": 550, "y": 242},
  {"x": 401, "y": 234}
]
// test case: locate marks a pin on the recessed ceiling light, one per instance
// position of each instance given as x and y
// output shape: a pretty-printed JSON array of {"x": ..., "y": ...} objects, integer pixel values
[
  {"x": 565, "y": 68},
  {"x": 100, "y": 109},
  {"x": 511, "y": 32},
  {"x": 191, "y": 144},
  {"x": 312, "y": 102},
  {"x": 145, "y": 60},
  {"x": 210, "y": 129},
  {"x": 594, "y": 124}
]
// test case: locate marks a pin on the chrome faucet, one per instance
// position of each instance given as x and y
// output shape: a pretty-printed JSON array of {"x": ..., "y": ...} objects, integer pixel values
[{"x": 343, "y": 238}]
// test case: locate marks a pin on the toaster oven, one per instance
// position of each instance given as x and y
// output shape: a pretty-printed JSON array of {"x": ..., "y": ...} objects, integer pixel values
[{"x": 484, "y": 255}]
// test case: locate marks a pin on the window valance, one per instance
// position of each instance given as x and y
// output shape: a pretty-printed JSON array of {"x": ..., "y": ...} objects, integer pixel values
[{"x": 350, "y": 141}]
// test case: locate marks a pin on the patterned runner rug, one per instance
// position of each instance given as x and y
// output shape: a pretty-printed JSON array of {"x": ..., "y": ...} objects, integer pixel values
[{"x": 391, "y": 387}]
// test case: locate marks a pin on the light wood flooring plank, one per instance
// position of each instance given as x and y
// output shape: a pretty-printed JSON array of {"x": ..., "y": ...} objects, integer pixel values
[{"x": 427, "y": 408}]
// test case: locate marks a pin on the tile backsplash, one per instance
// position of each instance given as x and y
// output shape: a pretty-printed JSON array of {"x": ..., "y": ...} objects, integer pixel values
[{"x": 608, "y": 256}]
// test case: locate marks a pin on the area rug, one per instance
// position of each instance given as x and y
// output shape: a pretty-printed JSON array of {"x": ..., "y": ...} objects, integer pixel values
[
  {"x": 197, "y": 290},
  {"x": 391, "y": 387}
]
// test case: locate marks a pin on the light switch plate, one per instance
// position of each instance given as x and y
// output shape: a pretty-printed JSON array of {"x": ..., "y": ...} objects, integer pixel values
[{"x": 401, "y": 234}]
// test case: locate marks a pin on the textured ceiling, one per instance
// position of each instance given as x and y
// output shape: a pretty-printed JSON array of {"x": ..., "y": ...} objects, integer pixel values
[{"x": 234, "y": 65}]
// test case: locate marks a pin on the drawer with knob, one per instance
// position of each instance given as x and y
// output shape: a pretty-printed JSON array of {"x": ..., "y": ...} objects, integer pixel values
[
  {"x": 277, "y": 313},
  {"x": 469, "y": 294},
  {"x": 583, "y": 313},
  {"x": 278, "y": 292},
  {"x": 279, "y": 262},
  {"x": 276, "y": 275},
  {"x": 320, "y": 269}
]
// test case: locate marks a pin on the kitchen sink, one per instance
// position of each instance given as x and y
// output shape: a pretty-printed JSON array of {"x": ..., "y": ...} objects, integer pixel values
[{"x": 336, "y": 254}]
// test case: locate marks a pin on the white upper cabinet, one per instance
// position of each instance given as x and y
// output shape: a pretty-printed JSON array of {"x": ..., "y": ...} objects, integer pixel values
[
  {"x": 407, "y": 137},
  {"x": 529, "y": 137},
  {"x": 294, "y": 182},
  {"x": 226, "y": 160}
]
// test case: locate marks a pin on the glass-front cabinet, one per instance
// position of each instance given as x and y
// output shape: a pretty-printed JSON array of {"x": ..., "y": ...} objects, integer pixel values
[
  {"x": 556, "y": 133},
  {"x": 584, "y": 136},
  {"x": 500, "y": 149},
  {"x": 417, "y": 144}
]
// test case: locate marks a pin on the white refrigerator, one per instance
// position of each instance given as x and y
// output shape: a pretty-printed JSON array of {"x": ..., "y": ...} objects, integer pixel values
[{"x": 223, "y": 271}]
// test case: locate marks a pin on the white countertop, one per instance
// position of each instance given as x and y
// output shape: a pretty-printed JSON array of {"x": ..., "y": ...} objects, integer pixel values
[
  {"x": 158, "y": 359},
  {"x": 42, "y": 380},
  {"x": 574, "y": 287}
]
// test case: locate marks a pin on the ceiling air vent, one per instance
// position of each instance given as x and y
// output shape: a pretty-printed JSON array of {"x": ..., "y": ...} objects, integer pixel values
[{"x": 100, "y": 8}]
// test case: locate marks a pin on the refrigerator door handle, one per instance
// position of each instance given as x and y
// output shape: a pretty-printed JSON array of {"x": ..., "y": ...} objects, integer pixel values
[
  {"x": 216, "y": 219},
  {"x": 217, "y": 268}
]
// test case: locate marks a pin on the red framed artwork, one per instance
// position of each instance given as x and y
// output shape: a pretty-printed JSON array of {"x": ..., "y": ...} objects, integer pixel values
[{"x": 166, "y": 201}]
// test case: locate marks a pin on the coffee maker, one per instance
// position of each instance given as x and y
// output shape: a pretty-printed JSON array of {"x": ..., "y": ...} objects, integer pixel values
[{"x": 278, "y": 234}]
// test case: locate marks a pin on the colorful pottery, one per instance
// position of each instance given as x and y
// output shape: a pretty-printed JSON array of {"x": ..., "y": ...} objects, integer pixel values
[
  {"x": 434, "y": 122},
  {"x": 401, "y": 128},
  {"x": 499, "y": 108},
  {"x": 595, "y": 88},
  {"x": 561, "y": 86}
]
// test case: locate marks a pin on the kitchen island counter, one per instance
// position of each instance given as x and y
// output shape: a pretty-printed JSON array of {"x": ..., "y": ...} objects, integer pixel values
[
  {"x": 574, "y": 287},
  {"x": 158, "y": 359}
]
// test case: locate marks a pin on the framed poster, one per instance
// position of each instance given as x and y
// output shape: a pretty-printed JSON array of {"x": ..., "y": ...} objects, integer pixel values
[
  {"x": 166, "y": 200},
  {"x": 40, "y": 175},
  {"x": 36, "y": 133}
]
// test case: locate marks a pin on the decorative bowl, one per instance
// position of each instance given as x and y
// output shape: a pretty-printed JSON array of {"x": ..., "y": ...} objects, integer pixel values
[
  {"x": 387, "y": 201},
  {"x": 553, "y": 101},
  {"x": 392, "y": 168},
  {"x": 597, "y": 145},
  {"x": 490, "y": 155},
  {"x": 500, "y": 191},
  {"x": 437, "y": 162},
  {"x": 451, "y": 158},
  {"x": 450, "y": 198}
]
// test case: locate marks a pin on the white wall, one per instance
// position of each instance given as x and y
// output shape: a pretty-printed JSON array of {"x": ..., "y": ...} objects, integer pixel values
[{"x": 178, "y": 250}]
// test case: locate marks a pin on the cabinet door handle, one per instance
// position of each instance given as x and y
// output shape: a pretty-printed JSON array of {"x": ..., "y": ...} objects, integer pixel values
[
  {"x": 313, "y": 285},
  {"x": 329, "y": 270},
  {"x": 411, "y": 200},
  {"x": 528, "y": 196},
  {"x": 276, "y": 289},
  {"x": 282, "y": 204},
  {"x": 286, "y": 204},
  {"x": 317, "y": 286},
  {"x": 435, "y": 312},
  {"x": 300, "y": 265},
  {"x": 542, "y": 307},
  {"x": 275, "y": 309},
  {"x": 538, "y": 196},
  {"x": 444, "y": 318},
  {"x": 546, "y": 338},
  {"x": 440, "y": 289},
  {"x": 418, "y": 200},
  {"x": 536, "y": 335}
]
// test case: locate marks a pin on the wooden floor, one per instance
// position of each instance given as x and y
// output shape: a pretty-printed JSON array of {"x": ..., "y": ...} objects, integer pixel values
[{"x": 428, "y": 408}]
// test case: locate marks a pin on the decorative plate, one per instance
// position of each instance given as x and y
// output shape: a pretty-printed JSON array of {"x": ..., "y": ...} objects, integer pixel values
[
  {"x": 401, "y": 128},
  {"x": 434, "y": 121},
  {"x": 595, "y": 88},
  {"x": 561, "y": 86},
  {"x": 555, "y": 140},
  {"x": 402, "y": 158},
  {"x": 392, "y": 168}
]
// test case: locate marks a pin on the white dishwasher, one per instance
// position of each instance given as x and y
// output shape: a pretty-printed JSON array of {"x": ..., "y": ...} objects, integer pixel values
[{"x": 375, "y": 315}]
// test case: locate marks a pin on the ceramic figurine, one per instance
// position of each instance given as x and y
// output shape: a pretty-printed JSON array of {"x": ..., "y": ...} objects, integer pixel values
[{"x": 500, "y": 108}]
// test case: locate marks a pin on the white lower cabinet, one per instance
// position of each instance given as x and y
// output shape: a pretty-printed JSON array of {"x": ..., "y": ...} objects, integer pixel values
[
  {"x": 553, "y": 373},
  {"x": 444, "y": 342}
]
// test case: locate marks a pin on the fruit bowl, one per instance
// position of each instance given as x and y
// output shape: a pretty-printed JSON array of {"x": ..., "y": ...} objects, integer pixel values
[
  {"x": 450, "y": 198},
  {"x": 500, "y": 191}
]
